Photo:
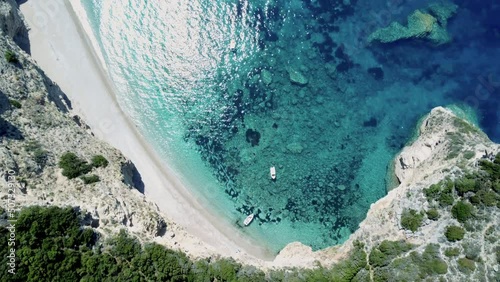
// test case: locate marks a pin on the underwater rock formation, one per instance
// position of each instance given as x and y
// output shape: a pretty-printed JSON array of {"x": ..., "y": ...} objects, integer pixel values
[
  {"x": 429, "y": 25},
  {"x": 296, "y": 77}
]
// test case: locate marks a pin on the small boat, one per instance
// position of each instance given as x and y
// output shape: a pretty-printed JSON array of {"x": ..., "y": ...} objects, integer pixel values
[
  {"x": 248, "y": 220},
  {"x": 232, "y": 45},
  {"x": 273, "y": 172}
]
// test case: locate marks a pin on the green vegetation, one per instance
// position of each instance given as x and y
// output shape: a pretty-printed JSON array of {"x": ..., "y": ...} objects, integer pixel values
[
  {"x": 73, "y": 166},
  {"x": 452, "y": 252},
  {"x": 462, "y": 211},
  {"x": 384, "y": 253},
  {"x": 465, "y": 185},
  {"x": 14, "y": 103},
  {"x": 469, "y": 154},
  {"x": 442, "y": 192},
  {"x": 432, "y": 214},
  {"x": 40, "y": 156},
  {"x": 413, "y": 266},
  {"x": 466, "y": 265},
  {"x": 51, "y": 245},
  {"x": 347, "y": 269},
  {"x": 99, "y": 161},
  {"x": 454, "y": 233},
  {"x": 89, "y": 179},
  {"x": 411, "y": 219},
  {"x": 11, "y": 57}
]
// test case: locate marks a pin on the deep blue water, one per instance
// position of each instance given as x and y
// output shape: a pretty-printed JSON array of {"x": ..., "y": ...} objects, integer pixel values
[{"x": 224, "y": 116}]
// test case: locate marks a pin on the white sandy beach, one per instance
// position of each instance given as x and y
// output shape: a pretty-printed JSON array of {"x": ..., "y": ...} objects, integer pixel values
[{"x": 62, "y": 50}]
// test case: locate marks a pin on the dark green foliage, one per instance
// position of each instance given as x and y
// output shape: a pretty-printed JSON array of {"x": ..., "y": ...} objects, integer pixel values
[
  {"x": 15, "y": 103},
  {"x": 432, "y": 214},
  {"x": 89, "y": 179},
  {"x": 10, "y": 56},
  {"x": 413, "y": 266},
  {"x": 432, "y": 193},
  {"x": 431, "y": 263},
  {"x": 466, "y": 265},
  {"x": 452, "y": 252},
  {"x": 48, "y": 244},
  {"x": 73, "y": 166},
  {"x": 492, "y": 168},
  {"x": 487, "y": 198},
  {"x": 462, "y": 211},
  {"x": 446, "y": 199},
  {"x": 347, "y": 269},
  {"x": 465, "y": 185},
  {"x": 411, "y": 219},
  {"x": 384, "y": 253},
  {"x": 441, "y": 192},
  {"x": 99, "y": 161},
  {"x": 454, "y": 233}
]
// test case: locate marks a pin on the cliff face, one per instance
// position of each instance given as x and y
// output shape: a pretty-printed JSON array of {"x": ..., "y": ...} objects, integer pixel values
[{"x": 37, "y": 127}]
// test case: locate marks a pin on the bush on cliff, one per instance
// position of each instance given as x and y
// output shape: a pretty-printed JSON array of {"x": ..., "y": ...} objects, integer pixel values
[
  {"x": 99, "y": 161},
  {"x": 411, "y": 219},
  {"x": 462, "y": 211},
  {"x": 11, "y": 57},
  {"x": 73, "y": 166},
  {"x": 454, "y": 233}
]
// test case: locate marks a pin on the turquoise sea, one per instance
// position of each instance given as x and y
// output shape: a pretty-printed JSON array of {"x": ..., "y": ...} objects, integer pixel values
[{"x": 209, "y": 85}]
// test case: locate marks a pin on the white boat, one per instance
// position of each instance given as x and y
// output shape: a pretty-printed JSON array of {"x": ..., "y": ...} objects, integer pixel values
[
  {"x": 273, "y": 172},
  {"x": 232, "y": 45},
  {"x": 248, "y": 220}
]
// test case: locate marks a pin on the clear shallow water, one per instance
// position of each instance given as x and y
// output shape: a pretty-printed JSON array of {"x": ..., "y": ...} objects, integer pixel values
[{"x": 212, "y": 113}]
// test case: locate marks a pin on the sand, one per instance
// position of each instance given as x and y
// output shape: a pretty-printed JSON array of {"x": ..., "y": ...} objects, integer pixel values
[{"x": 61, "y": 47}]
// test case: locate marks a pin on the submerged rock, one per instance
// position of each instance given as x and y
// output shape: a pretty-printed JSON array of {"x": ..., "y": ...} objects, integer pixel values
[
  {"x": 429, "y": 24},
  {"x": 266, "y": 76},
  {"x": 295, "y": 148},
  {"x": 297, "y": 78}
]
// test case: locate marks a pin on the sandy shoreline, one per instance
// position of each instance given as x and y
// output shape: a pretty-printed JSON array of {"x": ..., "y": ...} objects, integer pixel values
[{"x": 60, "y": 47}]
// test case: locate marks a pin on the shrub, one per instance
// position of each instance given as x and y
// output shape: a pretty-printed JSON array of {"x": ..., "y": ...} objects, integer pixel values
[
  {"x": 387, "y": 251},
  {"x": 15, "y": 103},
  {"x": 466, "y": 265},
  {"x": 452, "y": 252},
  {"x": 454, "y": 233},
  {"x": 99, "y": 161},
  {"x": 469, "y": 154},
  {"x": 488, "y": 198},
  {"x": 432, "y": 214},
  {"x": 411, "y": 219},
  {"x": 462, "y": 211},
  {"x": 73, "y": 166},
  {"x": 10, "y": 56},
  {"x": 446, "y": 199},
  {"x": 433, "y": 191},
  {"x": 89, "y": 179},
  {"x": 465, "y": 185}
]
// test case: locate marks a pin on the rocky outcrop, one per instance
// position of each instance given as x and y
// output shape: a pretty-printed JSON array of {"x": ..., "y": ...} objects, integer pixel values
[
  {"x": 437, "y": 153},
  {"x": 428, "y": 25}
]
